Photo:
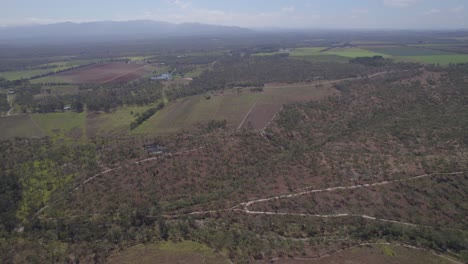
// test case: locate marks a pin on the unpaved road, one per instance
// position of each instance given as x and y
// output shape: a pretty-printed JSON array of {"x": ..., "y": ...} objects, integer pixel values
[
  {"x": 10, "y": 101},
  {"x": 136, "y": 162},
  {"x": 244, "y": 207}
]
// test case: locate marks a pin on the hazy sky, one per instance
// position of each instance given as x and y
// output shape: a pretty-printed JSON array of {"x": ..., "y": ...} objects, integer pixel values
[{"x": 401, "y": 14}]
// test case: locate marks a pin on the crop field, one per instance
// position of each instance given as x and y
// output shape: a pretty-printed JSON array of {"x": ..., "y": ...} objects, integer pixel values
[
  {"x": 187, "y": 113},
  {"x": 353, "y": 52},
  {"x": 104, "y": 73},
  {"x": 116, "y": 122},
  {"x": 239, "y": 109},
  {"x": 53, "y": 67},
  {"x": 19, "y": 126},
  {"x": 312, "y": 51},
  {"x": 408, "y": 51},
  {"x": 168, "y": 253},
  {"x": 18, "y": 75}
]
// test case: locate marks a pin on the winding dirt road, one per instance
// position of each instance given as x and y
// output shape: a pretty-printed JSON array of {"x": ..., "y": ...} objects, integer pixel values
[{"x": 244, "y": 207}]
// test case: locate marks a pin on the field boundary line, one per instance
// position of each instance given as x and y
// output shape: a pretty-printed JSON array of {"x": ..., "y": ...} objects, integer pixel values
[
  {"x": 247, "y": 115},
  {"x": 122, "y": 75}
]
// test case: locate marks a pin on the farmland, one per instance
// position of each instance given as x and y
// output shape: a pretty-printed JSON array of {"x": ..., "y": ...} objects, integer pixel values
[
  {"x": 241, "y": 157},
  {"x": 233, "y": 106},
  {"x": 427, "y": 54},
  {"x": 104, "y": 73},
  {"x": 353, "y": 52},
  {"x": 43, "y": 69},
  {"x": 62, "y": 126},
  {"x": 19, "y": 126}
]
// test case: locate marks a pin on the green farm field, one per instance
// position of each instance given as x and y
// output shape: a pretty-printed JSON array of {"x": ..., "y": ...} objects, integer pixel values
[
  {"x": 408, "y": 51},
  {"x": 117, "y": 122},
  {"x": 237, "y": 108},
  {"x": 353, "y": 52},
  {"x": 443, "y": 60},
  {"x": 187, "y": 113}
]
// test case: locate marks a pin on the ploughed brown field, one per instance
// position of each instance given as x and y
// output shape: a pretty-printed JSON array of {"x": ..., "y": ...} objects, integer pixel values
[{"x": 104, "y": 73}]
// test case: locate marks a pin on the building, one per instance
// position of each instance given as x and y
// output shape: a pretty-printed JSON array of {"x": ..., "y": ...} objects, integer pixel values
[
  {"x": 155, "y": 149},
  {"x": 162, "y": 77},
  {"x": 67, "y": 108}
]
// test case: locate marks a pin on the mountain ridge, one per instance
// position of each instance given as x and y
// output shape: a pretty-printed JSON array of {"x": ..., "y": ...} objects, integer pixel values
[{"x": 103, "y": 30}]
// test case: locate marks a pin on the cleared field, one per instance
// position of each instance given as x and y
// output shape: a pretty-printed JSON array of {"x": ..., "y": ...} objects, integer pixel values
[
  {"x": 19, "y": 126},
  {"x": 276, "y": 95},
  {"x": 408, "y": 51},
  {"x": 251, "y": 109},
  {"x": 115, "y": 123},
  {"x": 18, "y": 75},
  {"x": 62, "y": 126},
  {"x": 312, "y": 51},
  {"x": 104, "y": 73},
  {"x": 169, "y": 253},
  {"x": 326, "y": 58},
  {"x": 353, "y": 52},
  {"x": 54, "y": 67},
  {"x": 187, "y": 113},
  {"x": 376, "y": 254}
]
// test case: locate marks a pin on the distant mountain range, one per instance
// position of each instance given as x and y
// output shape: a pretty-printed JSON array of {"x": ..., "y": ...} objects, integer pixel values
[{"x": 111, "y": 30}]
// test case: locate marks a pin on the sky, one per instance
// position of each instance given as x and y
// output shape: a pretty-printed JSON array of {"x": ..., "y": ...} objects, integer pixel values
[{"x": 326, "y": 14}]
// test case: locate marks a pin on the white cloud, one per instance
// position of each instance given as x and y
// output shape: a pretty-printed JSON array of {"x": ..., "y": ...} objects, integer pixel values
[
  {"x": 432, "y": 12},
  {"x": 457, "y": 9},
  {"x": 400, "y": 3},
  {"x": 359, "y": 11},
  {"x": 181, "y": 4},
  {"x": 288, "y": 9}
]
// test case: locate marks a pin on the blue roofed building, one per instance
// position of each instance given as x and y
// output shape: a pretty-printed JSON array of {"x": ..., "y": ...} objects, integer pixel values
[{"x": 163, "y": 77}]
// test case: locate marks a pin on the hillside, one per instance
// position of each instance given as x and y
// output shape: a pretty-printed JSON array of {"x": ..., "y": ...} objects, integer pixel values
[{"x": 382, "y": 161}]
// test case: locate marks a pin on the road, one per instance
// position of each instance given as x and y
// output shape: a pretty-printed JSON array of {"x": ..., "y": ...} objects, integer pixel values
[
  {"x": 136, "y": 162},
  {"x": 10, "y": 101},
  {"x": 244, "y": 207}
]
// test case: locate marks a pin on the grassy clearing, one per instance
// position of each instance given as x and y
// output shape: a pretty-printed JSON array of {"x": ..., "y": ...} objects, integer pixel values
[
  {"x": 353, "y": 52},
  {"x": 195, "y": 73},
  {"x": 325, "y": 58},
  {"x": 57, "y": 66},
  {"x": 116, "y": 122},
  {"x": 62, "y": 126},
  {"x": 312, "y": 51},
  {"x": 18, "y": 126},
  {"x": 408, "y": 51},
  {"x": 18, "y": 75},
  {"x": 169, "y": 253},
  {"x": 187, "y": 113}
]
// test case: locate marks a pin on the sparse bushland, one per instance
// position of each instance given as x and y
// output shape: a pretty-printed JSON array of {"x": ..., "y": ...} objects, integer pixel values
[{"x": 377, "y": 129}]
